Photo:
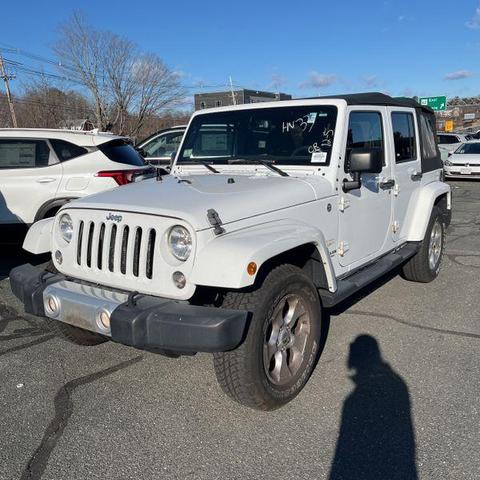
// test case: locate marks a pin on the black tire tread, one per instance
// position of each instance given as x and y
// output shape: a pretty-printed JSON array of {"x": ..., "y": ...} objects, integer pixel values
[{"x": 231, "y": 375}]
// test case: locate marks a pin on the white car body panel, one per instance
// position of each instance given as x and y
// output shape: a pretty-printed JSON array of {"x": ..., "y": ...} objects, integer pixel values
[
  {"x": 262, "y": 213},
  {"x": 74, "y": 178},
  {"x": 39, "y": 237}
]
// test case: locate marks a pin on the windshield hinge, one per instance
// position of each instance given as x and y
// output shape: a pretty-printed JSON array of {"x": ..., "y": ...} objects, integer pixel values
[{"x": 215, "y": 221}]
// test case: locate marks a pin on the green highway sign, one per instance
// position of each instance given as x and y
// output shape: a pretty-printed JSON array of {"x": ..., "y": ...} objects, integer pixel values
[{"x": 435, "y": 103}]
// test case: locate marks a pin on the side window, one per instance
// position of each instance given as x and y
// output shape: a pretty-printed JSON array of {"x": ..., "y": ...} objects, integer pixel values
[
  {"x": 404, "y": 136},
  {"x": 163, "y": 146},
  {"x": 66, "y": 150},
  {"x": 427, "y": 133},
  {"x": 24, "y": 154},
  {"x": 364, "y": 131}
]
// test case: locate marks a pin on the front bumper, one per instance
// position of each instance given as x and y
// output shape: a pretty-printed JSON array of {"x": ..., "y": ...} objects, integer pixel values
[
  {"x": 457, "y": 171},
  {"x": 142, "y": 321}
]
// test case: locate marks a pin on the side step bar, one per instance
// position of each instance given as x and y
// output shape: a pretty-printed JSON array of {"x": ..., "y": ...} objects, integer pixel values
[{"x": 361, "y": 278}]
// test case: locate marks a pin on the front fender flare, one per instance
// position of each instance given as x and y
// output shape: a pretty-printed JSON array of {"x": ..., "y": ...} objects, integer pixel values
[
  {"x": 223, "y": 261},
  {"x": 39, "y": 237}
]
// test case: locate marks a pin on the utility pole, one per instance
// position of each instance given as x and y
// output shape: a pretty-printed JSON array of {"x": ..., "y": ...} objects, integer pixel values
[
  {"x": 231, "y": 89},
  {"x": 6, "y": 78}
]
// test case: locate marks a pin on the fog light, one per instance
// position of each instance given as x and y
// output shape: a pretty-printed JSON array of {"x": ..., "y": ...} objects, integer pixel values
[
  {"x": 52, "y": 305},
  {"x": 179, "y": 279},
  {"x": 59, "y": 257},
  {"x": 104, "y": 318}
]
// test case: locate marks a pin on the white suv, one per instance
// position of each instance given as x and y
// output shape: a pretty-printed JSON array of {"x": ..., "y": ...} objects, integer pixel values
[
  {"x": 273, "y": 213},
  {"x": 41, "y": 170}
]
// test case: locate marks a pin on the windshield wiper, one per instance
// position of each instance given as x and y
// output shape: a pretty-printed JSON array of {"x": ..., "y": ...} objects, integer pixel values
[
  {"x": 266, "y": 163},
  {"x": 205, "y": 164}
]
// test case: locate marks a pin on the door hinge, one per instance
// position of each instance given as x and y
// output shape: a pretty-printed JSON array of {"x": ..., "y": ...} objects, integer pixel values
[
  {"x": 343, "y": 248},
  {"x": 395, "y": 226},
  {"x": 343, "y": 204}
]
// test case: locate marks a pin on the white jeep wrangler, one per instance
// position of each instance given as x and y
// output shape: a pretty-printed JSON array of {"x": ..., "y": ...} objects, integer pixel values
[{"x": 272, "y": 212}]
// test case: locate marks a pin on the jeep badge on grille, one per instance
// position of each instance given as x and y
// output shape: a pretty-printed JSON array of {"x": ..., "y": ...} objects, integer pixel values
[{"x": 114, "y": 218}]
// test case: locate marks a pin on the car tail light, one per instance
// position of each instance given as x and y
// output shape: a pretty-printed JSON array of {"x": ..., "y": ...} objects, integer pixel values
[{"x": 122, "y": 177}]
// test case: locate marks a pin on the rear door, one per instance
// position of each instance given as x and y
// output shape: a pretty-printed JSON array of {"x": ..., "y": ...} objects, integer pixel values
[
  {"x": 406, "y": 166},
  {"x": 30, "y": 174}
]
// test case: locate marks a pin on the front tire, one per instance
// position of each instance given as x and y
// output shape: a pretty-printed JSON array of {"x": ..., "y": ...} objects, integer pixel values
[
  {"x": 425, "y": 265},
  {"x": 281, "y": 348}
]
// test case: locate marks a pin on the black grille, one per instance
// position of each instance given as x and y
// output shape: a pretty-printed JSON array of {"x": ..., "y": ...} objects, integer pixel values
[{"x": 107, "y": 247}]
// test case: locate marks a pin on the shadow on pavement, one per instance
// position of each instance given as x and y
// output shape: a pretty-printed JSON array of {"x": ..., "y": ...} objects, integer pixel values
[
  {"x": 63, "y": 410},
  {"x": 376, "y": 439}
]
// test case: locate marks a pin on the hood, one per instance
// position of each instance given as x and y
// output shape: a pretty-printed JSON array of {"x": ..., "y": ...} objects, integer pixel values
[
  {"x": 462, "y": 159},
  {"x": 234, "y": 197}
]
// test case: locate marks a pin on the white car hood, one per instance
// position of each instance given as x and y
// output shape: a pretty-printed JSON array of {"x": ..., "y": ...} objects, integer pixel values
[
  {"x": 471, "y": 159},
  {"x": 234, "y": 197}
]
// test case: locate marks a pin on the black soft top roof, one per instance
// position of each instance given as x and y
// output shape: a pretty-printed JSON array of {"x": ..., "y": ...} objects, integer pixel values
[{"x": 377, "y": 98}]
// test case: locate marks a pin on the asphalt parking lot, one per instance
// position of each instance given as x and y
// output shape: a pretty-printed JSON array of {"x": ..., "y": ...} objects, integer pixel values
[{"x": 411, "y": 410}]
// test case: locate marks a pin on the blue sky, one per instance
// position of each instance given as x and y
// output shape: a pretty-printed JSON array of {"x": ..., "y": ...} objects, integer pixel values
[{"x": 402, "y": 47}]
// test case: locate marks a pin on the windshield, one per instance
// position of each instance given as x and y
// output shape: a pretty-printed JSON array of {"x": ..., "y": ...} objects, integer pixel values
[
  {"x": 469, "y": 148},
  {"x": 284, "y": 135}
]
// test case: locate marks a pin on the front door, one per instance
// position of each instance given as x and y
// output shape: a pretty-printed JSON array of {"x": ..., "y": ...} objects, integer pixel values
[
  {"x": 405, "y": 150},
  {"x": 365, "y": 213}
]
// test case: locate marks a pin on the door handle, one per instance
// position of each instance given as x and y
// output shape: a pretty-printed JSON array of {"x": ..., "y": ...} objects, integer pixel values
[
  {"x": 416, "y": 176},
  {"x": 45, "y": 180},
  {"x": 387, "y": 184}
]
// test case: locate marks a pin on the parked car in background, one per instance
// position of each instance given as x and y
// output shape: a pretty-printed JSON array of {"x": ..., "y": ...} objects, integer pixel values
[
  {"x": 464, "y": 162},
  {"x": 451, "y": 141},
  {"x": 158, "y": 148},
  {"x": 42, "y": 170}
]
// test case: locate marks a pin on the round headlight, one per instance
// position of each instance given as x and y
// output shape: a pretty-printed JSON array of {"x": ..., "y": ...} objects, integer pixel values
[
  {"x": 180, "y": 242},
  {"x": 448, "y": 163},
  {"x": 66, "y": 227}
]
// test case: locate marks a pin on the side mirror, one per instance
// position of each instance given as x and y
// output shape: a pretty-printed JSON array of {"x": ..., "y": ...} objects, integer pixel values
[
  {"x": 366, "y": 160},
  {"x": 363, "y": 160}
]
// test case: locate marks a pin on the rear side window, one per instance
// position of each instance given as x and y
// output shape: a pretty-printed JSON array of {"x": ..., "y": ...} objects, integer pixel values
[
  {"x": 404, "y": 136},
  {"x": 364, "y": 131},
  {"x": 122, "y": 152},
  {"x": 24, "y": 154},
  {"x": 427, "y": 131},
  {"x": 163, "y": 146},
  {"x": 447, "y": 139},
  {"x": 66, "y": 150}
]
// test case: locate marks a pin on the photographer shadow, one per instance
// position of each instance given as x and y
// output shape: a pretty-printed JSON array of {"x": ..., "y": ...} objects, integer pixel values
[{"x": 376, "y": 439}]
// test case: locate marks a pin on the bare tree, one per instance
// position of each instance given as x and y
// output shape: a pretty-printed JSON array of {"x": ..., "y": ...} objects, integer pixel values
[
  {"x": 45, "y": 104},
  {"x": 126, "y": 85}
]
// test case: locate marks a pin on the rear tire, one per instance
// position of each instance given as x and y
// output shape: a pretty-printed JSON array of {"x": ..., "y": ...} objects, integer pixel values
[
  {"x": 281, "y": 347},
  {"x": 425, "y": 265}
]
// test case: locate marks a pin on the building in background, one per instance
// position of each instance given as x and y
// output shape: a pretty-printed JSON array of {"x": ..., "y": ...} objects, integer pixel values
[
  {"x": 459, "y": 118},
  {"x": 222, "y": 99}
]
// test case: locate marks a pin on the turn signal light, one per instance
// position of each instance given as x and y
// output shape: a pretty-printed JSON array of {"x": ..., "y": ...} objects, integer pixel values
[{"x": 252, "y": 268}]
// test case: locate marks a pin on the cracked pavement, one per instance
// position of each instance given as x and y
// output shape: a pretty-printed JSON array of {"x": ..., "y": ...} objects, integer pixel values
[{"x": 111, "y": 412}]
